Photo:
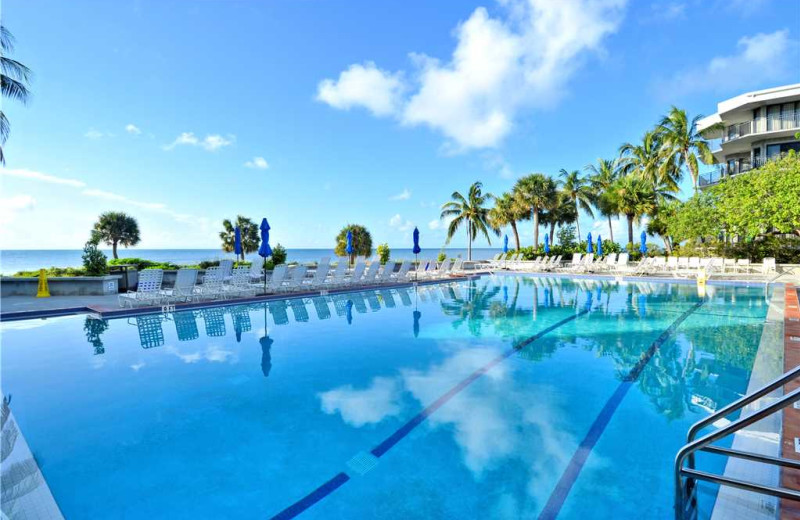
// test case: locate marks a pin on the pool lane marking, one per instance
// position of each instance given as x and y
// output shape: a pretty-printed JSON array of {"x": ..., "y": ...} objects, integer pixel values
[
  {"x": 333, "y": 484},
  {"x": 576, "y": 463}
]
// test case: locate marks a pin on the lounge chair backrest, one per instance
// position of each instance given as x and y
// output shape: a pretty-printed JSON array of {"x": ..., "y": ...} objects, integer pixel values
[
  {"x": 576, "y": 258},
  {"x": 256, "y": 269},
  {"x": 241, "y": 276},
  {"x": 683, "y": 261},
  {"x": 729, "y": 262},
  {"x": 278, "y": 276},
  {"x": 372, "y": 271},
  {"x": 325, "y": 260},
  {"x": 717, "y": 262},
  {"x": 557, "y": 260},
  {"x": 402, "y": 274},
  {"x": 446, "y": 266},
  {"x": 150, "y": 280},
  {"x": 611, "y": 259},
  {"x": 768, "y": 265},
  {"x": 623, "y": 259},
  {"x": 387, "y": 272},
  {"x": 743, "y": 261},
  {"x": 694, "y": 262},
  {"x": 672, "y": 262},
  {"x": 185, "y": 279},
  {"x": 358, "y": 272},
  {"x": 457, "y": 265},
  {"x": 659, "y": 261},
  {"x": 212, "y": 275},
  {"x": 226, "y": 266},
  {"x": 588, "y": 259},
  {"x": 320, "y": 274},
  {"x": 341, "y": 268}
]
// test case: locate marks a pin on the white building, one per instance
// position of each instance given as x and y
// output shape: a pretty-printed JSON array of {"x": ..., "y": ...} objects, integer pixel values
[{"x": 756, "y": 127}]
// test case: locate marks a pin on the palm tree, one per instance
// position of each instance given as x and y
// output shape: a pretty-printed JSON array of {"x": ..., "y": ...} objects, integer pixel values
[
  {"x": 647, "y": 161},
  {"x": 249, "y": 231},
  {"x": 506, "y": 213},
  {"x": 579, "y": 191},
  {"x": 14, "y": 80},
  {"x": 469, "y": 210},
  {"x": 117, "y": 228},
  {"x": 633, "y": 197},
  {"x": 682, "y": 144},
  {"x": 362, "y": 242},
  {"x": 534, "y": 193},
  {"x": 562, "y": 212},
  {"x": 603, "y": 175}
]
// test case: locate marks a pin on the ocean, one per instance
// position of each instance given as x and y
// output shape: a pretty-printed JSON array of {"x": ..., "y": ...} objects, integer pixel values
[{"x": 13, "y": 260}]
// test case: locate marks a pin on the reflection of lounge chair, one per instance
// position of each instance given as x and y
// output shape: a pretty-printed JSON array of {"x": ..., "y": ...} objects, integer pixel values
[
  {"x": 339, "y": 304},
  {"x": 359, "y": 303},
  {"x": 185, "y": 325},
  {"x": 372, "y": 299},
  {"x": 321, "y": 306},
  {"x": 405, "y": 296},
  {"x": 388, "y": 298},
  {"x": 214, "y": 319},
  {"x": 150, "y": 332},
  {"x": 299, "y": 309},
  {"x": 278, "y": 311},
  {"x": 241, "y": 319}
]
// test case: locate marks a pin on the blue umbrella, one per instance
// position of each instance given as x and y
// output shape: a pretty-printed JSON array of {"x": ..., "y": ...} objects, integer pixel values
[
  {"x": 349, "y": 248},
  {"x": 417, "y": 315},
  {"x": 546, "y": 244},
  {"x": 237, "y": 241},
  {"x": 589, "y": 243},
  {"x": 416, "y": 251},
  {"x": 264, "y": 250},
  {"x": 505, "y": 244},
  {"x": 599, "y": 246},
  {"x": 643, "y": 245},
  {"x": 349, "y": 311}
]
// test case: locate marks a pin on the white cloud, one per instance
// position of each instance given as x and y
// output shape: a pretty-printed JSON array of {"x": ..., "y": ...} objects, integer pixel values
[
  {"x": 259, "y": 163},
  {"x": 212, "y": 142},
  {"x": 121, "y": 198},
  {"x": 363, "y": 85},
  {"x": 403, "y": 195},
  {"x": 498, "y": 67},
  {"x": 10, "y": 207},
  {"x": 368, "y": 406},
  {"x": 401, "y": 224},
  {"x": 773, "y": 55},
  {"x": 435, "y": 224},
  {"x": 39, "y": 176},
  {"x": 94, "y": 134},
  {"x": 132, "y": 129}
]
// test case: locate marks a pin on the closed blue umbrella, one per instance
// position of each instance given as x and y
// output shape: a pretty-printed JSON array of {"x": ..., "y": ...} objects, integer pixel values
[
  {"x": 505, "y": 244},
  {"x": 349, "y": 248},
  {"x": 417, "y": 315},
  {"x": 643, "y": 244},
  {"x": 589, "y": 246},
  {"x": 416, "y": 251},
  {"x": 264, "y": 250},
  {"x": 349, "y": 311},
  {"x": 599, "y": 246},
  {"x": 546, "y": 244},
  {"x": 237, "y": 241}
]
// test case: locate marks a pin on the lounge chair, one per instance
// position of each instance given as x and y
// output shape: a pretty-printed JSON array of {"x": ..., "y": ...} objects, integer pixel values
[
  {"x": 385, "y": 276},
  {"x": 672, "y": 263},
  {"x": 370, "y": 274},
  {"x": 295, "y": 280},
  {"x": 183, "y": 290},
  {"x": 239, "y": 285},
  {"x": 318, "y": 280},
  {"x": 574, "y": 263},
  {"x": 743, "y": 265},
  {"x": 337, "y": 277},
  {"x": 275, "y": 282},
  {"x": 768, "y": 266},
  {"x": 354, "y": 278},
  {"x": 212, "y": 284},
  {"x": 148, "y": 290},
  {"x": 608, "y": 263},
  {"x": 457, "y": 267},
  {"x": 226, "y": 267},
  {"x": 322, "y": 308},
  {"x": 403, "y": 274}
]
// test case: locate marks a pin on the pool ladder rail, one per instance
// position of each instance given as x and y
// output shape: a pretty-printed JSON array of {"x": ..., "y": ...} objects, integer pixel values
[{"x": 686, "y": 475}]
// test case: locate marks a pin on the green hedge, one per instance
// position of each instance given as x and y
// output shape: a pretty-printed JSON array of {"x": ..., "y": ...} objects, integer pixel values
[{"x": 53, "y": 272}]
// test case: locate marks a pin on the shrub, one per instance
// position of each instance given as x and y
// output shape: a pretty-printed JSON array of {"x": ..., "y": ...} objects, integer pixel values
[
  {"x": 279, "y": 255},
  {"x": 441, "y": 257},
  {"x": 141, "y": 263},
  {"x": 94, "y": 261},
  {"x": 384, "y": 253},
  {"x": 53, "y": 272},
  {"x": 205, "y": 264}
]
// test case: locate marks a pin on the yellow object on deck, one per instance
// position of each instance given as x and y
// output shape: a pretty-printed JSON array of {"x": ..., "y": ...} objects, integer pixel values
[
  {"x": 44, "y": 289},
  {"x": 701, "y": 283}
]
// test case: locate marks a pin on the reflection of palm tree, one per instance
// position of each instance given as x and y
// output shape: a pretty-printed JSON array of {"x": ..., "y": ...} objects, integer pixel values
[{"x": 472, "y": 308}]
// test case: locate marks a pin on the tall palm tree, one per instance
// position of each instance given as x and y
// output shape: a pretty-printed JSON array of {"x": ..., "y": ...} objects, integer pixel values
[
  {"x": 534, "y": 193},
  {"x": 633, "y": 197},
  {"x": 563, "y": 211},
  {"x": 14, "y": 81},
  {"x": 469, "y": 210},
  {"x": 647, "y": 161},
  {"x": 579, "y": 191},
  {"x": 117, "y": 228},
  {"x": 682, "y": 144},
  {"x": 603, "y": 175},
  {"x": 249, "y": 233},
  {"x": 506, "y": 213}
]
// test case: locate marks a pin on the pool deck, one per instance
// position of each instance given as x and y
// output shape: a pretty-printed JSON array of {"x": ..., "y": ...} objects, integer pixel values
[{"x": 791, "y": 416}]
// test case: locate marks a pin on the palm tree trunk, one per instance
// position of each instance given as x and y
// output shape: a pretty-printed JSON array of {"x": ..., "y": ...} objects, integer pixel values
[
  {"x": 610, "y": 230},
  {"x": 630, "y": 228},
  {"x": 536, "y": 228},
  {"x": 667, "y": 245},
  {"x": 114, "y": 249},
  {"x": 552, "y": 232},
  {"x": 516, "y": 233},
  {"x": 577, "y": 219},
  {"x": 469, "y": 240}
]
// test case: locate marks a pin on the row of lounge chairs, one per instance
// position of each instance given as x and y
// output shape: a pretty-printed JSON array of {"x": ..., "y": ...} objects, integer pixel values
[{"x": 225, "y": 281}]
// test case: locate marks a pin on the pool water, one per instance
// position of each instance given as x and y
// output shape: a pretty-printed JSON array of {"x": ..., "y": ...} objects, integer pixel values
[{"x": 501, "y": 397}]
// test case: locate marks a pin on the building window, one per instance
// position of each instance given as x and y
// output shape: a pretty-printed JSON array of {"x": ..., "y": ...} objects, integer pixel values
[{"x": 775, "y": 150}]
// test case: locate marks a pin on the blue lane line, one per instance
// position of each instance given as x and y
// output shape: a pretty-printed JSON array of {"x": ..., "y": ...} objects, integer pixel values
[
  {"x": 576, "y": 463},
  {"x": 379, "y": 450}
]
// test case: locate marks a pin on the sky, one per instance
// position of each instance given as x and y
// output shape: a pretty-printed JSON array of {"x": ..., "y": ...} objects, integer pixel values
[{"x": 316, "y": 114}]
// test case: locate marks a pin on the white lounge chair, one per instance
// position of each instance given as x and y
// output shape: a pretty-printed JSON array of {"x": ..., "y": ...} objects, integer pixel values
[
  {"x": 743, "y": 265},
  {"x": 385, "y": 275},
  {"x": 318, "y": 280},
  {"x": 275, "y": 282},
  {"x": 256, "y": 271},
  {"x": 575, "y": 262},
  {"x": 226, "y": 267},
  {"x": 295, "y": 280},
  {"x": 371, "y": 274},
  {"x": 183, "y": 290},
  {"x": 212, "y": 284},
  {"x": 239, "y": 285},
  {"x": 337, "y": 276},
  {"x": 355, "y": 277},
  {"x": 148, "y": 289},
  {"x": 768, "y": 266},
  {"x": 403, "y": 274}
]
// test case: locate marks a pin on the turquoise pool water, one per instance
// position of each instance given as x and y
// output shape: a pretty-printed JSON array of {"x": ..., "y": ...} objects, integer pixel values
[{"x": 502, "y": 397}]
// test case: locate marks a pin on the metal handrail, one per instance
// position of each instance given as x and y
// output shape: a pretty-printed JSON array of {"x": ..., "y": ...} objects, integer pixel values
[{"x": 686, "y": 454}]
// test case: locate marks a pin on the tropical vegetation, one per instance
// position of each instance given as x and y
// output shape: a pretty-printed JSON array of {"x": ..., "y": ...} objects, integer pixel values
[
  {"x": 116, "y": 228},
  {"x": 249, "y": 231},
  {"x": 362, "y": 241},
  {"x": 14, "y": 83},
  {"x": 470, "y": 212}
]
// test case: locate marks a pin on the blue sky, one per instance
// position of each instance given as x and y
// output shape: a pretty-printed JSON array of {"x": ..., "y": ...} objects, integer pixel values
[{"x": 319, "y": 113}]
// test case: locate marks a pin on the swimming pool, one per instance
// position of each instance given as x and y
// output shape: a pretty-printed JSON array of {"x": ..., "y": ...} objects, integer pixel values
[{"x": 500, "y": 397}]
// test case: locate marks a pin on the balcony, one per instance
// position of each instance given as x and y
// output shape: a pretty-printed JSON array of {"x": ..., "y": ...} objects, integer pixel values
[
  {"x": 722, "y": 171},
  {"x": 786, "y": 120}
]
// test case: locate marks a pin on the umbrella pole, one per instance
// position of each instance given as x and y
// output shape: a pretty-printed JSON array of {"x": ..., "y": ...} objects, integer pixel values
[{"x": 416, "y": 267}]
